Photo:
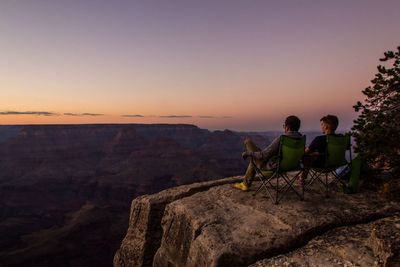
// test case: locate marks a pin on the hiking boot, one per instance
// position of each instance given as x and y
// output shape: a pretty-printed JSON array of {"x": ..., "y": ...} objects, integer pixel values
[{"x": 241, "y": 186}]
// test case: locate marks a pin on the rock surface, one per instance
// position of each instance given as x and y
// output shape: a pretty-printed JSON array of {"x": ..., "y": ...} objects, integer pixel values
[
  {"x": 371, "y": 244},
  {"x": 385, "y": 240},
  {"x": 217, "y": 225},
  {"x": 144, "y": 233}
]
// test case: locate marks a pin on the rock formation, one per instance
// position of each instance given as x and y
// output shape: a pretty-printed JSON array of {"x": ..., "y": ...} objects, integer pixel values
[
  {"x": 372, "y": 244},
  {"x": 61, "y": 184},
  {"x": 212, "y": 224},
  {"x": 50, "y": 171}
]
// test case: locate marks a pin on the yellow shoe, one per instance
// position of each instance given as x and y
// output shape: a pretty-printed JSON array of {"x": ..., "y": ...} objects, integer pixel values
[{"x": 242, "y": 186}]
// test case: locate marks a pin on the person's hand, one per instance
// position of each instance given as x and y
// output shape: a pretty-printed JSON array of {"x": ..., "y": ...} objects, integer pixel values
[{"x": 245, "y": 155}]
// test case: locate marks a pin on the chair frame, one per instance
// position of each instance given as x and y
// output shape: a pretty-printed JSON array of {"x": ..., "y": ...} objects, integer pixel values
[
  {"x": 272, "y": 187},
  {"x": 317, "y": 173}
]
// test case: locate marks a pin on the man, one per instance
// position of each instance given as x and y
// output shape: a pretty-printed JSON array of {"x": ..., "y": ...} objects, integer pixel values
[
  {"x": 315, "y": 154},
  {"x": 267, "y": 158},
  {"x": 317, "y": 148}
]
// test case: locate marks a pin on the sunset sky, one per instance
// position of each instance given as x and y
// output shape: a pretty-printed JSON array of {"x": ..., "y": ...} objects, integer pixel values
[{"x": 241, "y": 65}]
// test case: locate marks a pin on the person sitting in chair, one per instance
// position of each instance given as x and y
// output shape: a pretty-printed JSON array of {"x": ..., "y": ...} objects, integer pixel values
[
  {"x": 317, "y": 148},
  {"x": 268, "y": 157},
  {"x": 315, "y": 154}
]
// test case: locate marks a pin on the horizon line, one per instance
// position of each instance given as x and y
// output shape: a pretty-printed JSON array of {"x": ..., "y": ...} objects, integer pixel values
[{"x": 185, "y": 124}]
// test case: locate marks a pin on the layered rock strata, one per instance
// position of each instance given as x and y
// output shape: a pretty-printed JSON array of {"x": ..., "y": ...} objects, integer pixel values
[
  {"x": 50, "y": 171},
  {"x": 216, "y": 225}
]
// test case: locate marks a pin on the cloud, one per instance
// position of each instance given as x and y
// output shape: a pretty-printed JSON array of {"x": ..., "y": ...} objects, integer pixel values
[
  {"x": 206, "y": 117},
  {"x": 176, "y": 116},
  {"x": 215, "y": 117},
  {"x": 82, "y": 114},
  {"x": 133, "y": 116},
  {"x": 39, "y": 113},
  {"x": 92, "y": 114}
]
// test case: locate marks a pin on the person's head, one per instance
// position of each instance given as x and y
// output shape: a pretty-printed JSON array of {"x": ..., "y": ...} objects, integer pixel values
[
  {"x": 329, "y": 124},
  {"x": 292, "y": 124}
]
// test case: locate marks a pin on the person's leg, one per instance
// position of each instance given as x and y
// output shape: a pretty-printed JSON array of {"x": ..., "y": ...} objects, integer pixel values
[
  {"x": 308, "y": 161},
  {"x": 249, "y": 145},
  {"x": 250, "y": 172},
  {"x": 249, "y": 175}
]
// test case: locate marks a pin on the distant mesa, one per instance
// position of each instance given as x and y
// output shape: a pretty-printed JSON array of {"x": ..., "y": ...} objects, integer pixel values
[{"x": 175, "y": 116}]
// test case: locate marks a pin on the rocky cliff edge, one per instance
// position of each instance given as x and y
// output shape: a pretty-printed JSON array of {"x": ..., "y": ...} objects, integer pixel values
[{"x": 212, "y": 224}]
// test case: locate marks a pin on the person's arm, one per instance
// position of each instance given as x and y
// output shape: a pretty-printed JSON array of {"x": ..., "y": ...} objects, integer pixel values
[
  {"x": 312, "y": 149},
  {"x": 308, "y": 151}
]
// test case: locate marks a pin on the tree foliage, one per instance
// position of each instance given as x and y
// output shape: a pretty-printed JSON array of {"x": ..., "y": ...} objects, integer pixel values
[{"x": 377, "y": 129}]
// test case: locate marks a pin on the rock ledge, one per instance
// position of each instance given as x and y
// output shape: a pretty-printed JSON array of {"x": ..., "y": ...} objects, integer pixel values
[{"x": 211, "y": 224}]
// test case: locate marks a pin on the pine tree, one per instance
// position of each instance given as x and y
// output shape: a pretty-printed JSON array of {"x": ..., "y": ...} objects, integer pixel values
[{"x": 377, "y": 129}]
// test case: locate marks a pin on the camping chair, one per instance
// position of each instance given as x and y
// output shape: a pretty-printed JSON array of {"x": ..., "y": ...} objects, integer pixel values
[
  {"x": 291, "y": 151},
  {"x": 335, "y": 157}
]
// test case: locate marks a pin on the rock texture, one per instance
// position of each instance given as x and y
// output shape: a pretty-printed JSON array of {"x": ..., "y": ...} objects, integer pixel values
[
  {"x": 356, "y": 245},
  {"x": 385, "y": 240},
  {"x": 221, "y": 226},
  {"x": 144, "y": 233}
]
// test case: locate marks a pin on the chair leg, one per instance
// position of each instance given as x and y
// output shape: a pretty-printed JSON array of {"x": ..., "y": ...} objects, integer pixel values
[
  {"x": 336, "y": 179},
  {"x": 290, "y": 185},
  {"x": 274, "y": 190},
  {"x": 258, "y": 189},
  {"x": 309, "y": 181},
  {"x": 265, "y": 182}
]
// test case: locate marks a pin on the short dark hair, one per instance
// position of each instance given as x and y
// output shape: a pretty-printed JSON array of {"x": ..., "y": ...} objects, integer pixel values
[
  {"x": 293, "y": 123},
  {"x": 331, "y": 120}
]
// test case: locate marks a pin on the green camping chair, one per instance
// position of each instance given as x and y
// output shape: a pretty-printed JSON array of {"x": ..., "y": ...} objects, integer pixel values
[
  {"x": 291, "y": 151},
  {"x": 334, "y": 158}
]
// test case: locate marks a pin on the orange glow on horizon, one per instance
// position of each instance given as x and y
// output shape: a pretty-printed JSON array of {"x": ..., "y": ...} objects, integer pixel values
[{"x": 252, "y": 62}]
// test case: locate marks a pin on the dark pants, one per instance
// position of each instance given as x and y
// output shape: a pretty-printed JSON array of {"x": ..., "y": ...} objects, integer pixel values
[{"x": 309, "y": 161}]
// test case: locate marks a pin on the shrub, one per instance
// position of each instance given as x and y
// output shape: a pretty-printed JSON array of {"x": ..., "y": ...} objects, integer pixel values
[{"x": 377, "y": 129}]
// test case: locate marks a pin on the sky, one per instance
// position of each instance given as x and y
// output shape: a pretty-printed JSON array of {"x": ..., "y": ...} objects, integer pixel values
[{"x": 221, "y": 64}]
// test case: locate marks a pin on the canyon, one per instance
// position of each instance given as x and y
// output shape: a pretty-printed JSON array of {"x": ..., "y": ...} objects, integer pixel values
[{"x": 65, "y": 190}]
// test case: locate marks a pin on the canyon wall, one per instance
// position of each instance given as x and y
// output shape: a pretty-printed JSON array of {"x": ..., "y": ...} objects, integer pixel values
[{"x": 61, "y": 184}]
